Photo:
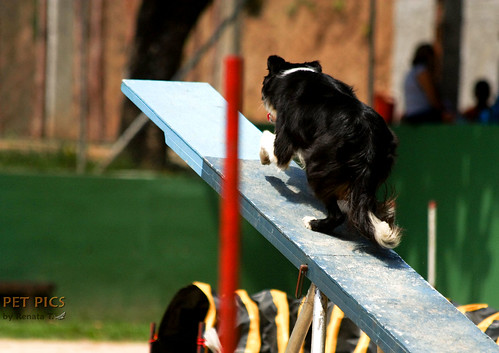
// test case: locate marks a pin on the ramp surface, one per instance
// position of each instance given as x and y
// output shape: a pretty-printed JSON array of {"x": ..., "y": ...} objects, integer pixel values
[{"x": 375, "y": 288}]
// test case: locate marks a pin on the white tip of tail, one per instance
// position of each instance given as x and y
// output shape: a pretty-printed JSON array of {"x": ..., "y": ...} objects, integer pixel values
[{"x": 384, "y": 235}]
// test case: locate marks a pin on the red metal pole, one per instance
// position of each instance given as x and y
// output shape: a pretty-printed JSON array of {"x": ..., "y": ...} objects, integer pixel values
[{"x": 230, "y": 226}]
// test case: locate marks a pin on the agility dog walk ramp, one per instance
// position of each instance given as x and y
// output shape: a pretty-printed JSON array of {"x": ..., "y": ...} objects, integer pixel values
[{"x": 375, "y": 288}]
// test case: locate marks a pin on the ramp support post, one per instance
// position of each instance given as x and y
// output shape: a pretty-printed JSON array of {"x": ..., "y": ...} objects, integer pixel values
[
  {"x": 302, "y": 323},
  {"x": 319, "y": 322},
  {"x": 314, "y": 308}
]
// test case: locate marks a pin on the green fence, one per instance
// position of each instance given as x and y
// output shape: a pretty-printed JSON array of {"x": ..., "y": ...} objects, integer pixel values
[
  {"x": 117, "y": 248},
  {"x": 458, "y": 167}
]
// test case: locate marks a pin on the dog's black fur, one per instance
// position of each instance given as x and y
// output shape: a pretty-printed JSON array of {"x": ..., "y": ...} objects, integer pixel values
[{"x": 347, "y": 148}]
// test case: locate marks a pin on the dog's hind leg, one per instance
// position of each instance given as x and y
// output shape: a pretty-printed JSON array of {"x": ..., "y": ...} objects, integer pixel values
[{"x": 326, "y": 225}]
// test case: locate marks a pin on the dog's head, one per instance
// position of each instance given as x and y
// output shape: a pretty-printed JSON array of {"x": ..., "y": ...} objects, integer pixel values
[{"x": 279, "y": 69}]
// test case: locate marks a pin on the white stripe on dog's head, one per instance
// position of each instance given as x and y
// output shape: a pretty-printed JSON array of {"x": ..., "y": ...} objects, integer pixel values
[{"x": 295, "y": 69}]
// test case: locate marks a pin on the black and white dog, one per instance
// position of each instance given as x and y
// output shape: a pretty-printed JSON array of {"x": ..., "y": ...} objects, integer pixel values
[{"x": 346, "y": 147}]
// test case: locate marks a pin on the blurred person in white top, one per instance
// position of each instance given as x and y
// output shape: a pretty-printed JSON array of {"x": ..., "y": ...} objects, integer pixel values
[{"x": 422, "y": 101}]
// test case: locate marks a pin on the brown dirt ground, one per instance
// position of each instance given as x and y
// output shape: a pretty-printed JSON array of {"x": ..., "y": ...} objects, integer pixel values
[{"x": 41, "y": 346}]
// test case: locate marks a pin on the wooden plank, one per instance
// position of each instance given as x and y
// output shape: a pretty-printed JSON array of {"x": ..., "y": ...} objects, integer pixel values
[{"x": 384, "y": 296}]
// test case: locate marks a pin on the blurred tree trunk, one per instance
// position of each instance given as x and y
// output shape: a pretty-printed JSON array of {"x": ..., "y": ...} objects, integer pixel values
[
  {"x": 449, "y": 39},
  {"x": 161, "y": 31}
]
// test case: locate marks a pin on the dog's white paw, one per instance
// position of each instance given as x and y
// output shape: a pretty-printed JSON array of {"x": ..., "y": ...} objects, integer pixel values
[
  {"x": 306, "y": 220},
  {"x": 264, "y": 156},
  {"x": 267, "y": 148}
]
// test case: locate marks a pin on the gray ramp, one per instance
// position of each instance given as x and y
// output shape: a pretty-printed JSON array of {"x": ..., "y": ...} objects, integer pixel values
[{"x": 375, "y": 288}]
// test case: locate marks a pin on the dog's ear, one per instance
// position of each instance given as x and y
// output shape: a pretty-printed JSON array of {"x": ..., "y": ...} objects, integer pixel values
[
  {"x": 275, "y": 64},
  {"x": 315, "y": 65}
]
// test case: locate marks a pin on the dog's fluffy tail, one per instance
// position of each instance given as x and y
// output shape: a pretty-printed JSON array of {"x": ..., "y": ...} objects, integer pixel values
[
  {"x": 385, "y": 235},
  {"x": 374, "y": 220}
]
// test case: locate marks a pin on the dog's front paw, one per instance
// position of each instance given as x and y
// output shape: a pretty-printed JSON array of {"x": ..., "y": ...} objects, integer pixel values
[
  {"x": 307, "y": 220},
  {"x": 267, "y": 148},
  {"x": 264, "y": 156}
]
